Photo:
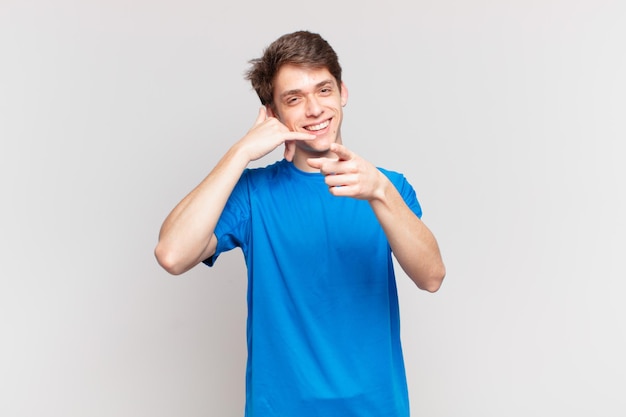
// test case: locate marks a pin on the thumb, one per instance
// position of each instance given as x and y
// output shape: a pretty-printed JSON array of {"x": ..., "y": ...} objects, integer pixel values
[
  {"x": 262, "y": 116},
  {"x": 315, "y": 162}
]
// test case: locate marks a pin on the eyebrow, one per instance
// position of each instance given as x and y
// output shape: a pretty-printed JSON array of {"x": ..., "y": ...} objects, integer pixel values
[{"x": 298, "y": 91}]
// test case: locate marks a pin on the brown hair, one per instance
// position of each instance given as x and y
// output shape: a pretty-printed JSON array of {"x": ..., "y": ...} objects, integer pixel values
[{"x": 301, "y": 48}]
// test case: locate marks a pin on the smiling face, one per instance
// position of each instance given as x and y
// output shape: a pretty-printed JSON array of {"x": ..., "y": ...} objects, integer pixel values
[{"x": 310, "y": 100}]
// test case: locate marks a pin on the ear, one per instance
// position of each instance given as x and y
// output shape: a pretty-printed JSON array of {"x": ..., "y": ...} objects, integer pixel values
[
  {"x": 344, "y": 94},
  {"x": 270, "y": 111}
]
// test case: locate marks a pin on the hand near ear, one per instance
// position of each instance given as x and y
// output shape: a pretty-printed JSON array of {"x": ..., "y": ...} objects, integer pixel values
[
  {"x": 267, "y": 134},
  {"x": 290, "y": 145}
]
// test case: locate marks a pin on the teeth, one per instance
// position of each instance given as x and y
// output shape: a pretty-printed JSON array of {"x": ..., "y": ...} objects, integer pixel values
[{"x": 319, "y": 126}]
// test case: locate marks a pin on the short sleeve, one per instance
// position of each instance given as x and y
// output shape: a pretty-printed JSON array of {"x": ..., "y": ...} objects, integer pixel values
[
  {"x": 405, "y": 189},
  {"x": 233, "y": 227}
]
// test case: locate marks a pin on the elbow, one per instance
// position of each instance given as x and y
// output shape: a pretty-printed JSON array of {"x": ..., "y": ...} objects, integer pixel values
[
  {"x": 432, "y": 286},
  {"x": 432, "y": 283},
  {"x": 168, "y": 260}
]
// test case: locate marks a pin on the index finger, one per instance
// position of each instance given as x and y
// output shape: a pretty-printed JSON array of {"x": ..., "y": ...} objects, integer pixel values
[{"x": 341, "y": 151}]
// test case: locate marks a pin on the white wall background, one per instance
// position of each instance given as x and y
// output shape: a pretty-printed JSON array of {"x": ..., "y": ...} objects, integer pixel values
[{"x": 507, "y": 116}]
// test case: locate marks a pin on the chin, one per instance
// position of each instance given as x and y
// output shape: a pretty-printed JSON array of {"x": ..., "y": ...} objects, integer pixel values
[{"x": 318, "y": 149}]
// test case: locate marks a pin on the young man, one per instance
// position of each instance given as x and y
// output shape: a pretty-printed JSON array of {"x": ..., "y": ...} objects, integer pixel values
[{"x": 317, "y": 230}]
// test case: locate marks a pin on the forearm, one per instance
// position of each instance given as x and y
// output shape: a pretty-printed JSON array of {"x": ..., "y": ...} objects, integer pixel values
[
  {"x": 412, "y": 243},
  {"x": 186, "y": 236}
]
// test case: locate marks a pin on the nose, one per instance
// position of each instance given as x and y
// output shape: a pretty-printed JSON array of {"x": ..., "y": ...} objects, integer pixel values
[{"x": 313, "y": 107}]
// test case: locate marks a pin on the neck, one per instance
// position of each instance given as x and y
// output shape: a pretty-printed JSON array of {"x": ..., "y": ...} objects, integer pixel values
[
  {"x": 300, "y": 158},
  {"x": 301, "y": 155}
]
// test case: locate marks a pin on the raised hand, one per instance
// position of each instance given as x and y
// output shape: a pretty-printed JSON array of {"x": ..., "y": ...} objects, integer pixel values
[
  {"x": 267, "y": 134},
  {"x": 349, "y": 175}
]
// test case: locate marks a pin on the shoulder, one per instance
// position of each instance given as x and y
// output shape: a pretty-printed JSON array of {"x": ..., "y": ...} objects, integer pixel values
[
  {"x": 405, "y": 189},
  {"x": 265, "y": 173},
  {"x": 257, "y": 179},
  {"x": 397, "y": 178}
]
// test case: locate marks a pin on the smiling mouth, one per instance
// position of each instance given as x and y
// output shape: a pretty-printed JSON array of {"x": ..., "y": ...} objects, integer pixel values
[{"x": 317, "y": 127}]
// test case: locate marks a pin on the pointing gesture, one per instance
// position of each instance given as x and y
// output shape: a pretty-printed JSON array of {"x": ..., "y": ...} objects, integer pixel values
[{"x": 349, "y": 175}]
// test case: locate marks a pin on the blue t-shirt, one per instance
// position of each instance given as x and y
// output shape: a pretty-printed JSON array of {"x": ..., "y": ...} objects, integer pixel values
[{"x": 323, "y": 328}]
